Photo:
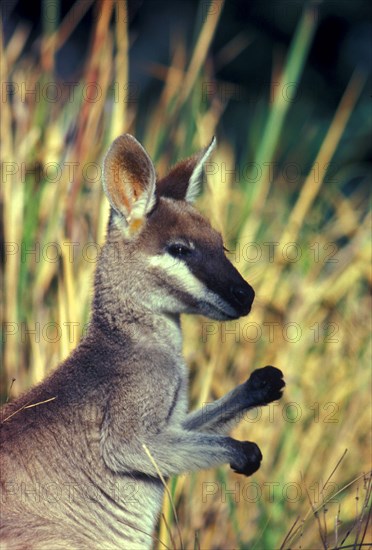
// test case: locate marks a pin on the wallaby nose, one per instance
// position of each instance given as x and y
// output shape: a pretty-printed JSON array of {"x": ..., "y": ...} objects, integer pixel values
[{"x": 243, "y": 296}]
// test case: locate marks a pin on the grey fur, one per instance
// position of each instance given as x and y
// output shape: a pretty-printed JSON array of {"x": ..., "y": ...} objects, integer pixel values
[{"x": 74, "y": 472}]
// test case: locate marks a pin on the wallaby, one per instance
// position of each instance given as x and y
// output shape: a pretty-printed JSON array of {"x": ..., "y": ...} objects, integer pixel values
[{"x": 80, "y": 469}]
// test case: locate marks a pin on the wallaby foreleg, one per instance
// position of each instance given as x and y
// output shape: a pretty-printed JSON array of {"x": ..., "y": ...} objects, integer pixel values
[
  {"x": 177, "y": 451},
  {"x": 262, "y": 387}
]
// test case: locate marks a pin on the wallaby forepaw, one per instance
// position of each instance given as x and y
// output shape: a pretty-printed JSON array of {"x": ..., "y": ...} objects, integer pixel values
[
  {"x": 268, "y": 382},
  {"x": 249, "y": 459}
]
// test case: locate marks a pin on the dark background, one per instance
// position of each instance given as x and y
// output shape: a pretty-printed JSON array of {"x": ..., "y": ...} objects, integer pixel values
[{"x": 342, "y": 43}]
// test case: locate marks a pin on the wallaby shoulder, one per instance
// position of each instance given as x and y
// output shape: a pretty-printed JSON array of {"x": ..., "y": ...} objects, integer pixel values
[
  {"x": 78, "y": 379},
  {"x": 100, "y": 372}
]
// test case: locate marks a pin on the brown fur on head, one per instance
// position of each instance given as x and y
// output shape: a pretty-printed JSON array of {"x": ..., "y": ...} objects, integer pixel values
[{"x": 177, "y": 259}]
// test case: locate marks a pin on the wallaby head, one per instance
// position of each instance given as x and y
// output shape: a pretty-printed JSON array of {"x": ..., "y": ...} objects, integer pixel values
[{"x": 171, "y": 259}]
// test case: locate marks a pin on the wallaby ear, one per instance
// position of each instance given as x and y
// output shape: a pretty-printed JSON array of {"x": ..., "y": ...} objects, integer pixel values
[
  {"x": 129, "y": 181},
  {"x": 184, "y": 180}
]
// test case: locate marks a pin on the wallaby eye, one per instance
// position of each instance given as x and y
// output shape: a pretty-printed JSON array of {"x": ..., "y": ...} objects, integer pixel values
[{"x": 179, "y": 250}]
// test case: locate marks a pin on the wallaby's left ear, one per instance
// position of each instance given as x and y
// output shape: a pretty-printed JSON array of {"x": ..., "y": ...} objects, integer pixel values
[{"x": 184, "y": 180}]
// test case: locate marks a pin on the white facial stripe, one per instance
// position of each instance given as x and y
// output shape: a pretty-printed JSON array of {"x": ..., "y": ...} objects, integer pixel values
[{"x": 178, "y": 270}]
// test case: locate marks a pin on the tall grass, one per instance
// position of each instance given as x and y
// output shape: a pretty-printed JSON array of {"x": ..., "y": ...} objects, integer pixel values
[{"x": 300, "y": 234}]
